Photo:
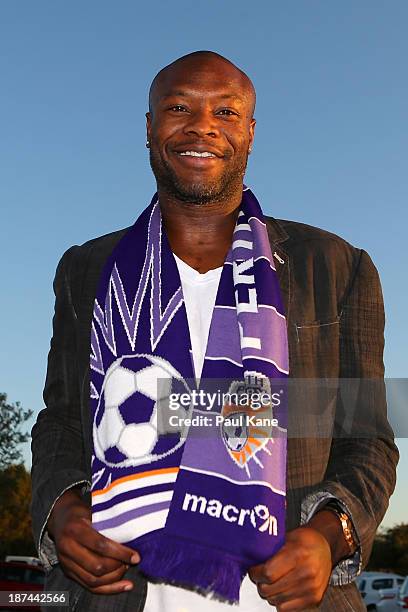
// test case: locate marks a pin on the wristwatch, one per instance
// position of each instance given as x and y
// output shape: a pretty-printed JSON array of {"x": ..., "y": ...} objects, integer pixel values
[{"x": 346, "y": 524}]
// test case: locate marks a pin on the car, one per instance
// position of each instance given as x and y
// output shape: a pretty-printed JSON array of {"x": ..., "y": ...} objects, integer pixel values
[
  {"x": 23, "y": 559},
  {"x": 380, "y": 590},
  {"x": 21, "y": 576},
  {"x": 403, "y": 596}
]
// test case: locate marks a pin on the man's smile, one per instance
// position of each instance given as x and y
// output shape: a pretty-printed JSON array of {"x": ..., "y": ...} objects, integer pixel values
[
  {"x": 198, "y": 161},
  {"x": 197, "y": 156},
  {"x": 192, "y": 160}
]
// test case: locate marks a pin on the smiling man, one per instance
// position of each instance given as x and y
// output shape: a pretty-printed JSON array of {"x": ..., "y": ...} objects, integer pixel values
[{"x": 203, "y": 285}]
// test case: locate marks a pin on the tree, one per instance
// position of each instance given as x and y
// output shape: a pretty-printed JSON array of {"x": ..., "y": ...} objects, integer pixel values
[
  {"x": 15, "y": 521},
  {"x": 12, "y": 416},
  {"x": 390, "y": 550}
]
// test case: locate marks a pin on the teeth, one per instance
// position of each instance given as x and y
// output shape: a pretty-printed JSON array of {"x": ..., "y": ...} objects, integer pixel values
[{"x": 197, "y": 154}]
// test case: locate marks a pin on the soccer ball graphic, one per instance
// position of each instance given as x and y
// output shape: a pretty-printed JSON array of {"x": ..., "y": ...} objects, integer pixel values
[
  {"x": 235, "y": 436},
  {"x": 125, "y": 423}
]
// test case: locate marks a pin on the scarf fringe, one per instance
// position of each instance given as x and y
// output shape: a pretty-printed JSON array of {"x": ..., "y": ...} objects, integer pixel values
[{"x": 192, "y": 566}]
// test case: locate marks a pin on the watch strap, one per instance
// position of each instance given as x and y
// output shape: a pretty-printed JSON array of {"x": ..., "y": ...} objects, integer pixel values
[{"x": 346, "y": 524}]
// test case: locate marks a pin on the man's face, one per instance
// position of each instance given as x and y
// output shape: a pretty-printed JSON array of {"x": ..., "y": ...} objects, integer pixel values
[{"x": 200, "y": 130}]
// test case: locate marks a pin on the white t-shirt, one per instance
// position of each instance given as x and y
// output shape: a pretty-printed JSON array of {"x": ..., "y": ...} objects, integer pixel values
[{"x": 199, "y": 292}]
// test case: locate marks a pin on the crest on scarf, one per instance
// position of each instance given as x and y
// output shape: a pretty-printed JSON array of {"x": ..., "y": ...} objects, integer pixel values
[{"x": 246, "y": 429}]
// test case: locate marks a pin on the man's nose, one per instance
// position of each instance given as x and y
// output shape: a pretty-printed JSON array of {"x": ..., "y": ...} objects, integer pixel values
[{"x": 202, "y": 123}]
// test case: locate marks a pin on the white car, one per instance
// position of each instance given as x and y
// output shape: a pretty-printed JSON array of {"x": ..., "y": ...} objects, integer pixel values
[
  {"x": 22, "y": 559},
  {"x": 380, "y": 590},
  {"x": 403, "y": 596}
]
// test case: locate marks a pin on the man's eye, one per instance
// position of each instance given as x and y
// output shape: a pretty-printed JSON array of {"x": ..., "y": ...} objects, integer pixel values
[
  {"x": 178, "y": 108},
  {"x": 226, "y": 111}
]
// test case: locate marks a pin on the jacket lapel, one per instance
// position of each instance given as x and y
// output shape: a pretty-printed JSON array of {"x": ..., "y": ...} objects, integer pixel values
[{"x": 277, "y": 235}]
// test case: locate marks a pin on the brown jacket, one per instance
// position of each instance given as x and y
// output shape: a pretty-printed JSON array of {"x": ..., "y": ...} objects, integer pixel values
[{"x": 335, "y": 321}]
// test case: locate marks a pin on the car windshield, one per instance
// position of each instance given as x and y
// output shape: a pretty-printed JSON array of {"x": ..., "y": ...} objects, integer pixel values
[{"x": 382, "y": 583}]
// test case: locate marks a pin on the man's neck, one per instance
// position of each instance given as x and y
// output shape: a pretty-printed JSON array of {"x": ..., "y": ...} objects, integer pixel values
[{"x": 200, "y": 234}]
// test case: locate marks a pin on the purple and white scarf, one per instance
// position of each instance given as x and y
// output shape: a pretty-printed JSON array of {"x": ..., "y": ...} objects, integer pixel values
[{"x": 206, "y": 502}]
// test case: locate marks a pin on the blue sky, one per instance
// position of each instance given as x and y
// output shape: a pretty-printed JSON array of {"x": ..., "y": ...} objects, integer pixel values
[{"x": 330, "y": 148}]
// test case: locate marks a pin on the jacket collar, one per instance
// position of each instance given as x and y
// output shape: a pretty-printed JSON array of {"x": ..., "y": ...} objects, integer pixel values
[
  {"x": 277, "y": 236},
  {"x": 276, "y": 231}
]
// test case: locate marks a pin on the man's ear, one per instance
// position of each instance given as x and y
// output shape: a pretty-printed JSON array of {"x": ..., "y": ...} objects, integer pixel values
[
  {"x": 252, "y": 132},
  {"x": 148, "y": 124}
]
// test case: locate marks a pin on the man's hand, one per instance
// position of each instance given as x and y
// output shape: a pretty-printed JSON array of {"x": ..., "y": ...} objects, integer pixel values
[
  {"x": 85, "y": 555},
  {"x": 297, "y": 576}
]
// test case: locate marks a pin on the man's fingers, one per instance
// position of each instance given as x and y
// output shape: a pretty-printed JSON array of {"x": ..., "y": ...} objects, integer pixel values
[
  {"x": 108, "y": 548},
  {"x": 92, "y": 559},
  {"x": 117, "y": 587},
  {"x": 103, "y": 546},
  {"x": 257, "y": 573},
  {"x": 284, "y": 585},
  {"x": 87, "y": 559},
  {"x": 298, "y": 597},
  {"x": 286, "y": 594},
  {"x": 296, "y": 577},
  {"x": 303, "y": 585},
  {"x": 273, "y": 569},
  {"x": 297, "y": 583},
  {"x": 112, "y": 582}
]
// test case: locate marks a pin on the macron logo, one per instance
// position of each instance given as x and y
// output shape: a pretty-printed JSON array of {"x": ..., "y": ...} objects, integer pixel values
[{"x": 259, "y": 517}]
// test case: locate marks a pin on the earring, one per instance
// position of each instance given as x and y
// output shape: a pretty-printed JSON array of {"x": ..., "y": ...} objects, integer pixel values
[
  {"x": 249, "y": 150},
  {"x": 147, "y": 144}
]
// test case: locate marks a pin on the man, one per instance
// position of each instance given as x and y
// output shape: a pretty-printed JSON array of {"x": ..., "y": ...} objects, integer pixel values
[{"x": 337, "y": 487}]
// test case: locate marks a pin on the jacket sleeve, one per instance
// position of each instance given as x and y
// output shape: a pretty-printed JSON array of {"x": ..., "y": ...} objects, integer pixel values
[
  {"x": 361, "y": 472},
  {"x": 58, "y": 459}
]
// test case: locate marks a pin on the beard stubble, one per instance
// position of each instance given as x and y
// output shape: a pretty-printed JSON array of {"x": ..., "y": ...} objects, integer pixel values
[{"x": 202, "y": 192}]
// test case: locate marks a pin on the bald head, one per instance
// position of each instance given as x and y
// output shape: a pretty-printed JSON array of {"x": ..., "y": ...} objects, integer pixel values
[{"x": 196, "y": 63}]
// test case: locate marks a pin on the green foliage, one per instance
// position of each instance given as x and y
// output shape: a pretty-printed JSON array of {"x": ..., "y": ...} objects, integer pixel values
[
  {"x": 12, "y": 416},
  {"x": 15, "y": 520},
  {"x": 390, "y": 550}
]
